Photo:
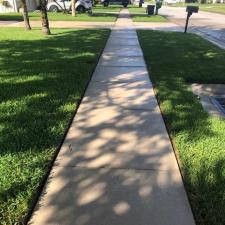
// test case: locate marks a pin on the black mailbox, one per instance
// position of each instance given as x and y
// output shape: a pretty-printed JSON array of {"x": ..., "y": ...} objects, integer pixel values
[{"x": 192, "y": 9}]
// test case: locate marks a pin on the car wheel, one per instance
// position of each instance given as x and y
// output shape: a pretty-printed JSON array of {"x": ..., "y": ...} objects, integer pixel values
[
  {"x": 80, "y": 9},
  {"x": 53, "y": 8}
]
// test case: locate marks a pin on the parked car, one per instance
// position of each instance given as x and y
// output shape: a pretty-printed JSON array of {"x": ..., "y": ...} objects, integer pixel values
[
  {"x": 171, "y": 1},
  {"x": 60, "y": 5},
  {"x": 115, "y": 2}
]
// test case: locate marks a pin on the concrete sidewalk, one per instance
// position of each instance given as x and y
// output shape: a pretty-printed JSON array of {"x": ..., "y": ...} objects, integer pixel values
[
  {"x": 161, "y": 26},
  {"x": 165, "y": 26},
  {"x": 117, "y": 165}
]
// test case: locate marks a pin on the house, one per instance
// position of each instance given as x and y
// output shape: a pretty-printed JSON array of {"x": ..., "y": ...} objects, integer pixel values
[
  {"x": 15, "y": 5},
  {"x": 218, "y": 1}
]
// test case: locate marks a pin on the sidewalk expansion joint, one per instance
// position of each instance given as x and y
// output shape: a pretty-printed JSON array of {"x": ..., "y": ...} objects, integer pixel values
[
  {"x": 116, "y": 81},
  {"x": 121, "y": 66},
  {"x": 115, "y": 168},
  {"x": 124, "y": 108}
]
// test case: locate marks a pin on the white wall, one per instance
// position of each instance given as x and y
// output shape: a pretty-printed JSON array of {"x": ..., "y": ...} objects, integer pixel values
[
  {"x": 11, "y": 8},
  {"x": 15, "y": 5},
  {"x": 32, "y": 5}
]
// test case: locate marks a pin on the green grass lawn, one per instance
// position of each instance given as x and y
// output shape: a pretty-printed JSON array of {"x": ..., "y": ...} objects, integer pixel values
[
  {"x": 145, "y": 18},
  {"x": 100, "y": 14},
  {"x": 216, "y": 8},
  {"x": 174, "y": 60},
  {"x": 139, "y": 15},
  {"x": 42, "y": 80},
  {"x": 110, "y": 8}
]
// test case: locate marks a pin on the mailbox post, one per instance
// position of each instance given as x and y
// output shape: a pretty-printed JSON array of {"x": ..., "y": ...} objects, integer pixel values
[
  {"x": 190, "y": 10},
  {"x": 158, "y": 6},
  {"x": 140, "y": 3}
]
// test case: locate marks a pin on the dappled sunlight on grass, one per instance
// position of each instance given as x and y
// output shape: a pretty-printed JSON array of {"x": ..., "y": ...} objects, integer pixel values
[
  {"x": 42, "y": 80},
  {"x": 175, "y": 60},
  {"x": 140, "y": 15},
  {"x": 100, "y": 13}
]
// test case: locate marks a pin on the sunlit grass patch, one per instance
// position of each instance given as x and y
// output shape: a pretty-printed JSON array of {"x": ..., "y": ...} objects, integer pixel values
[
  {"x": 215, "y": 8},
  {"x": 175, "y": 60},
  {"x": 42, "y": 80},
  {"x": 100, "y": 14},
  {"x": 140, "y": 15}
]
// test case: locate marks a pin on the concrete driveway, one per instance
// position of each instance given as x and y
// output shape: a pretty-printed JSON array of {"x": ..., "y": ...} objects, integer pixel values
[{"x": 208, "y": 25}]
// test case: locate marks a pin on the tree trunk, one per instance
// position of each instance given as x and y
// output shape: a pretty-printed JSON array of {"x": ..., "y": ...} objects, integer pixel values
[
  {"x": 44, "y": 18},
  {"x": 25, "y": 15},
  {"x": 64, "y": 7},
  {"x": 73, "y": 2}
]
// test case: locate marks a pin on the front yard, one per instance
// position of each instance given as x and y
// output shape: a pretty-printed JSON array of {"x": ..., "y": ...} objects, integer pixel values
[
  {"x": 216, "y": 8},
  {"x": 175, "y": 60},
  {"x": 100, "y": 14},
  {"x": 140, "y": 15},
  {"x": 42, "y": 80}
]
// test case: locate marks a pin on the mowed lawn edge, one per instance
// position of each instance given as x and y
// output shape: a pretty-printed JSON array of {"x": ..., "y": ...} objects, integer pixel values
[
  {"x": 100, "y": 14},
  {"x": 42, "y": 81},
  {"x": 96, "y": 17},
  {"x": 145, "y": 18},
  {"x": 174, "y": 61},
  {"x": 139, "y": 15},
  {"x": 213, "y": 8}
]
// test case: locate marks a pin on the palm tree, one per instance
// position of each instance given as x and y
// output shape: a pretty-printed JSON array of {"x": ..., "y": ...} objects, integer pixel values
[
  {"x": 25, "y": 15},
  {"x": 44, "y": 17},
  {"x": 73, "y": 2}
]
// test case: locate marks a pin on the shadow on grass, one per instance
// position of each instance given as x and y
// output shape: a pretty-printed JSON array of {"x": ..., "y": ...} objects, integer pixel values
[
  {"x": 57, "y": 16},
  {"x": 37, "y": 77},
  {"x": 174, "y": 61},
  {"x": 207, "y": 192},
  {"x": 42, "y": 80},
  {"x": 140, "y": 14},
  {"x": 11, "y": 17},
  {"x": 173, "y": 67},
  {"x": 182, "y": 109},
  {"x": 98, "y": 14}
]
